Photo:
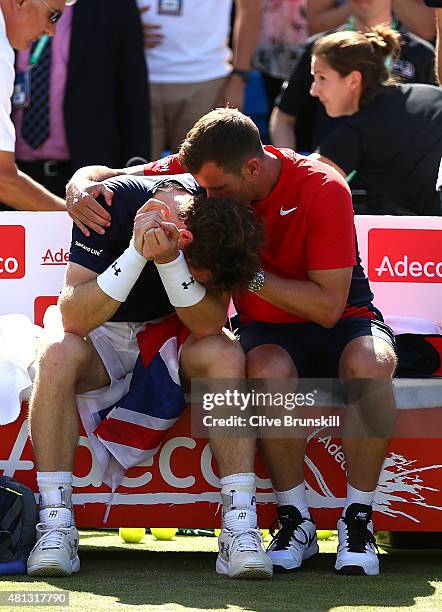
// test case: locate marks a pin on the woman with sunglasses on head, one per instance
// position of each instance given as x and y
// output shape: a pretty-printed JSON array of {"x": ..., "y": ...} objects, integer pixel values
[{"x": 392, "y": 133}]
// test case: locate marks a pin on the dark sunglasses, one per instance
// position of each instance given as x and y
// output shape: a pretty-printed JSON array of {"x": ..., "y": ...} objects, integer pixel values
[{"x": 55, "y": 13}]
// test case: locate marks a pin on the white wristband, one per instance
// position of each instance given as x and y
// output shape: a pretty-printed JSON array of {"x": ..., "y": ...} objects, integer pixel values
[
  {"x": 182, "y": 289},
  {"x": 119, "y": 278}
]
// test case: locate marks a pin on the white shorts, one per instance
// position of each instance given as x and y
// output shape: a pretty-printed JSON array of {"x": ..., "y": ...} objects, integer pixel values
[{"x": 117, "y": 345}]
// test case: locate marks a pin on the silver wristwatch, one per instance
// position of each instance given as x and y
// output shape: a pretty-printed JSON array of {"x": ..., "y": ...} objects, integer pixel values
[{"x": 257, "y": 282}]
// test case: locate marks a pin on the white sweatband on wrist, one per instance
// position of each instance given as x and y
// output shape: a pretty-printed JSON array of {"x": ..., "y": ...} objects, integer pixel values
[
  {"x": 181, "y": 288},
  {"x": 119, "y": 278}
]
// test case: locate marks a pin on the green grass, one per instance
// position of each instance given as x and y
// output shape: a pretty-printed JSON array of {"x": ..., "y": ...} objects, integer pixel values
[{"x": 179, "y": 575}]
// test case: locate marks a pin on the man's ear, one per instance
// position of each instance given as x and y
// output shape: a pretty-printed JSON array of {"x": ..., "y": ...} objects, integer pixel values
[
  {"x": 185, "y": 238},
  {"x": 355, "y": 80},
  {"x": 17, "y": 5},
  {"x": 252, "y": 167}
]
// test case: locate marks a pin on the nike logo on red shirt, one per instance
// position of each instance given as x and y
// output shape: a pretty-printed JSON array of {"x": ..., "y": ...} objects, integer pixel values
[{"x": 283, "y": 212}]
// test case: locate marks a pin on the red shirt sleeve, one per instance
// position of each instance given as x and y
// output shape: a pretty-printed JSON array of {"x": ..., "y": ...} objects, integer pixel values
[
  {"x": 331, "y": 235},
  {"x": 167, "y": 165}
]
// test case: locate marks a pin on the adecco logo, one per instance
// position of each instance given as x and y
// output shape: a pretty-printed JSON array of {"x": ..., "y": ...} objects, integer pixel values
[
  {"x": 55, "y": 258},
  {"x": 405, "y": 255},
  {"x": 12, "y": 251}
]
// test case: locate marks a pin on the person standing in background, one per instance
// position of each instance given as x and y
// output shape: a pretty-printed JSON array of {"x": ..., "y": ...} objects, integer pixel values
[
  {"x": 299, "y": 121},
  {"x": 280, "y": 42},
  {"x": 91, "y": 81},
  {"x": 190, "y": 65},
  {"x": 21, "y": 22}
]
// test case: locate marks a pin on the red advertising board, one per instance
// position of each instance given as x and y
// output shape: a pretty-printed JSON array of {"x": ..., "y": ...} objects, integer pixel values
[
  {"x": 405, "y": 255},
  {"x": 179, "y": 486},
  {"x": 12, "y": 252}
]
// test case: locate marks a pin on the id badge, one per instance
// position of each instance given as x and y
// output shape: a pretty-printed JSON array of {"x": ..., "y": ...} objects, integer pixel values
[
  {"x": 22, "y": 90},
  {"x": 170, "y": 7}
]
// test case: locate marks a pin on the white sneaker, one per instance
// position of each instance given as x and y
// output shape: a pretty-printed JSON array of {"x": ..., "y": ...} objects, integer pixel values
[
  {"x": 294, "y": 542},
  {"x": 357, "y": 550},
  {"x": 55, "y": 553},
  {"x": 241, "y": 552}
]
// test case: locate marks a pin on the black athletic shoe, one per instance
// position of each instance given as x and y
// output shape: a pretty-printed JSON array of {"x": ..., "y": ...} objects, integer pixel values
[
  {"x": 357, "y": 550},
  {"x": 294, "y": 542}
]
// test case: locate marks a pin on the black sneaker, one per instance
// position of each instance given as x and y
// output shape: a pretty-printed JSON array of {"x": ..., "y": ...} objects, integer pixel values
[
  {"x": 357, "y": 550},
  {"x": 294, "y": 542}
]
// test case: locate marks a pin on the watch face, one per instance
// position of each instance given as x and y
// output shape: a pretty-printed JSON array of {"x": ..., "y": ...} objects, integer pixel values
[{"x": 257, "y": 282}]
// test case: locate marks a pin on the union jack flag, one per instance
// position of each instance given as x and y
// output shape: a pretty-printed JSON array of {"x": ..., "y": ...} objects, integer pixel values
[{"x": 132, "y": 429}]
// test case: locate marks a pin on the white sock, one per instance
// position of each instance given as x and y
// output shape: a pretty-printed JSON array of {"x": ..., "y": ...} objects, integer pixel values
[
  {"x": 238, "y": 491},
  {"x": 355, "y": 496},
  {"x": 294, "y": 497},
  {"x": 55, "y": 492}
]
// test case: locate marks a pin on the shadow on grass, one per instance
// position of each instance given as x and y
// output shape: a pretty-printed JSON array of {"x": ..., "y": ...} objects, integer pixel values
[{"x": 140, "y": 577}]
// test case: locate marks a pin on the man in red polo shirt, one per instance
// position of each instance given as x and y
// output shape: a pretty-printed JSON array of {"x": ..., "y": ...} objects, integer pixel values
[{"x": 308, "y": 314}]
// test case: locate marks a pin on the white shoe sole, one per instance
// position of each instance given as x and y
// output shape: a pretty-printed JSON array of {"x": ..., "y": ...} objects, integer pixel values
[
  {"x": 249, "y": 571},
  {"x": 280, "y": 567},
  {"x": 51, "y": 567}
]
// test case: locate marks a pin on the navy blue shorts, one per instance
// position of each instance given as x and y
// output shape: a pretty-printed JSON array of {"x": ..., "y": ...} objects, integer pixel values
[{"x": 315, "y": 350}]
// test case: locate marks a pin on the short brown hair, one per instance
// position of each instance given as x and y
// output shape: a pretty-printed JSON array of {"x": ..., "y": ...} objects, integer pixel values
[
  {"x": 227, "y": 241},
  {"x": 368, "y": 52},
  {"x": 224, "y": 136}
]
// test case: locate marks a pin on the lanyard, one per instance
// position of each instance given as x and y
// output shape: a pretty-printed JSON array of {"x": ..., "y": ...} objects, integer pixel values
[
  {"x": 38, "y": 51},
  {"x": 351, "y": 24}
]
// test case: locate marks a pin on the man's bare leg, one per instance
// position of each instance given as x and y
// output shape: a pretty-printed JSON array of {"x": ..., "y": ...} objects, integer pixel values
[
  {"x": 241, "y": 554},
  {"x": 219, "y": 357},
  {"x": 373, "y": 416},
  {"x": 284, "y": 458},
  {"x": 64, "y": 367},
  {"x": 368, "y": 363}
]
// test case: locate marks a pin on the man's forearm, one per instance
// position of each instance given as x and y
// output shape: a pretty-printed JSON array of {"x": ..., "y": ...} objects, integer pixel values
[
  {"x": 416, "y": 17},
  {"x": 306, "y": 299},
  {"x": 245, "y": 32},
  {"x": 282, "y": 129},
  {"x": 100, "y": 173},
  {"x": 85, "y": 307},
  {"x": 95, "y": 173},
  {"x": 21, "y": 192}
]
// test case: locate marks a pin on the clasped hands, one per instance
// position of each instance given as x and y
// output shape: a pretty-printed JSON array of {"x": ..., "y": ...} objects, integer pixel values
[{"x": 154, "y": 237}]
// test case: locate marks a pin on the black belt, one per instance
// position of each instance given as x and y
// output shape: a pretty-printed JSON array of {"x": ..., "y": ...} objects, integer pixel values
[{"x": 47, "y": 167}]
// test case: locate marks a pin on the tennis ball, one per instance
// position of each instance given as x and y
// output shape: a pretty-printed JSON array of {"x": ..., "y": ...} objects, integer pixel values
[
  {"x": 132, "y": 535},
  {"x": 324, "y": 534},
  {"x": 217, "y": 532},
  {"x": 163, "y": 533}
]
